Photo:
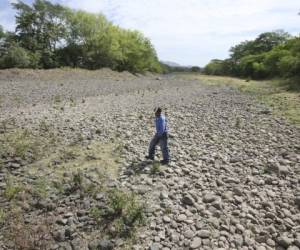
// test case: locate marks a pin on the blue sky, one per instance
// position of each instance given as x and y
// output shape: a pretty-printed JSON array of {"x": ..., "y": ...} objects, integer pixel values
[{"x": 189, "y": 32}]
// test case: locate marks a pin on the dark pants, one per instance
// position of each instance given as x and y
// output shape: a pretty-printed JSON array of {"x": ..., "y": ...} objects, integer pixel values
[{"x": 163, "y": 142}]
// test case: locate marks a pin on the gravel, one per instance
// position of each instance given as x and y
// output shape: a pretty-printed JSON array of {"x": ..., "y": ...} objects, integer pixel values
[{"x": 233, "y": 180}]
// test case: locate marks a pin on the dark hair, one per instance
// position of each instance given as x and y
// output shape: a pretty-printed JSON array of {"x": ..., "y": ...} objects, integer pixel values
[{"x": 157, "y": 110}]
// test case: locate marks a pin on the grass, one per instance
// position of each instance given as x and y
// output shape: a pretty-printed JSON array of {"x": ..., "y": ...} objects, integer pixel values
[
  {"x": 98, "y": 162},
  {"x": 40, "y": 188},
  {"x": 12, "y": 189},
  {"x": 84, "y": 168},
  {"x": 123, "y": 214},
  {"x": 282, "y": 95},
  {"x": 2, "y": 216},
  {"x": 20, "y": 144},
  {"x": 155, "y": 168},
  {"x": 35, "y": 235}
]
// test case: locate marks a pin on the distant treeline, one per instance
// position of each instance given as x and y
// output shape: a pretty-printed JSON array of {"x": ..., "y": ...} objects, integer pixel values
[
  {"x": 270, "y": 55},
  {"x": 170, "y": 69},
  {"x": 50, "y": 35}
]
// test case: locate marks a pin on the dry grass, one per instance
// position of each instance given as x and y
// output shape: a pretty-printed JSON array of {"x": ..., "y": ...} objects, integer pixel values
[
  {"x": 100, "y": 159},
  {"x": 285, "y": 101},
  {"x": 35, "y": 235}
]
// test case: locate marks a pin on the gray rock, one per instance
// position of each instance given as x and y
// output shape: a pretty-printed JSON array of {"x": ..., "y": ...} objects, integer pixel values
[
  {"x": 188, "y": 200},
  {"x": 204, "y": 233},
  {"x": 285, "y": 241},
  {"x": 105, "y": 245},
  {"x": 297, "y": 242},
  {"x": 208, "y": 198},
  {"x": 59, "y": 235},
  {"x": 163, "y": 195},
  {"x": 166, "y": 219},
  {"x": 196, "y": 243},
  {"x": 188, "y": 234},
  {"x": 293, "y": 248},
  {"x": 271, "y": 242},
  {"x": 154, "y": 246},
  {"x": 181, "y": 217},
  {"x": 101, "y": 245},
  {"x": 297, "y": 201}
]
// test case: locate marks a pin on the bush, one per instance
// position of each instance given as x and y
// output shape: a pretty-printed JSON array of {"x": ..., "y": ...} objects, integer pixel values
[
  {"x": 15, "y": 56},
  {"x": 289, "y": 66},
  {"x": 272, "y": 54}
]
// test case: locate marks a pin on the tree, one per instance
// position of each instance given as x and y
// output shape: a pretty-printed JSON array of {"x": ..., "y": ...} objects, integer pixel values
[
  {"x": 215, "y": 67},
  {"x": 49, "y": 35},
  {"x": 268, "y": 40},
  {"x": 196, "y": 69},
  {"x": 40, "y": 28},
  {"x": 15, "y": 56},
  {"x": 2, "y": 33},
  {"x": 245, "y": 48}
]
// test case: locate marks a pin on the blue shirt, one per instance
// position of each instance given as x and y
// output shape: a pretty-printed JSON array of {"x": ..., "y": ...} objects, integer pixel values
[{"x": 161, "y": 125}]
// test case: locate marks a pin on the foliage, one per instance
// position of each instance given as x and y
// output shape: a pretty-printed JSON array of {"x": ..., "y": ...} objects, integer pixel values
[
  {"x": 2, "y": 216},
  {"x": 215, "y": 67},
  {"x": 39, "y": 188},
  {"x": 271, "y": 54},
  {"x": 155, "y": 168},
  {"x": 50, "y": 35},
  {"x": 20, "y": 144},
  {"x": 2, "y": 33},
  {"x": 169, "y": 69},
  {"x": 11, "y": 189},
  {"x": 128, "y": 212},
  {"x": 16, "y": 56},
  {"x": 26, "y": 236},
  {"x": 124, "y": 213}
]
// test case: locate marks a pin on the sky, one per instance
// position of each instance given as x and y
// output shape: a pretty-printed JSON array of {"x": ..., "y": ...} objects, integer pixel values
[{"x": 189, "y": 32}]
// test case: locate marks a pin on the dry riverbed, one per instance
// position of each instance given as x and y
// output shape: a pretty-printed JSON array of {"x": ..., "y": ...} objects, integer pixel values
[{"x": 73, "y": 174}]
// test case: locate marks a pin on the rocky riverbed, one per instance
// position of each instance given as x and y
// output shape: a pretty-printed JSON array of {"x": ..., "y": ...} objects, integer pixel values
[{"x": 74, "y": 143}]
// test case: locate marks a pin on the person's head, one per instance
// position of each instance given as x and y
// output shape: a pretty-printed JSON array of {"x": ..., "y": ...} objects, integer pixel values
[{"x": 157, "y": 111}]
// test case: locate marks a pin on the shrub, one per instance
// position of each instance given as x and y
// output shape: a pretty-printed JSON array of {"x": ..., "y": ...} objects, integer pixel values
[
  {"x": 155, "y": 168},
  {"x": 20, "y": 144},
  {"x": 15, "y": 56},
  {"x": 11, "y": 189}
]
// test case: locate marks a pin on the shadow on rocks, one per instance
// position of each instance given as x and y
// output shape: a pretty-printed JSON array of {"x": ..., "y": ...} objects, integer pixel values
[{"x": 138, "y": 168}]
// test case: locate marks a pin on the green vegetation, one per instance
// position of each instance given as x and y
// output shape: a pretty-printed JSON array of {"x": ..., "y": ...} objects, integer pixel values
[
  {"x": 124, "y": 212},
  {"x": 20, "y": 144},
  {"x": 24, "y": 235},
  {"x": 155, "y": 168},
  {"x": 169, "y": 69},
  {"x": 11, "y": 189},
  {"x": 2, "y": 216},
  {"x": 50, "y": 35},
  {"x": 39, "y": 188},
  {"x": 270, "y": 55},
  {"x": 275, "y": 93}
]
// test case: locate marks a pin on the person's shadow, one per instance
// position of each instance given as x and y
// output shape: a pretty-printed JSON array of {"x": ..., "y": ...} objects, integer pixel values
[{"x": 138, "y": 167}]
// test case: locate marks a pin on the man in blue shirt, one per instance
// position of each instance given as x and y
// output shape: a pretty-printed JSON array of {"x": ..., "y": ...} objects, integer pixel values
[{"x": 160, "y": 137}]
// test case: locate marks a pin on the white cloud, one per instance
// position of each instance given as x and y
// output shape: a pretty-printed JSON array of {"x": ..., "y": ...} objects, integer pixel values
[{"x": 195, "y": 31}]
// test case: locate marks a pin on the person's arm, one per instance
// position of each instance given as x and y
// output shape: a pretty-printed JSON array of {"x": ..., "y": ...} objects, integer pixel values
[{"x": 160, "y": 126}]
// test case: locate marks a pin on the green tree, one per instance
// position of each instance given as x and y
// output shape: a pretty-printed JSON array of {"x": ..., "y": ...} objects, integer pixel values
[
  {"x": 40, "y": 28},
  {"x": 259, "y": 58},
  {"x": 49, "y": 35},
  {"x": 263, "y": 43},
  {"x": 268, "y": 40},
  {"x": 15, "y": 56},
  {"x": 215, "y": 67},
  {"x": 252, "y": 66},
  {"x": 2, "y": 33}
]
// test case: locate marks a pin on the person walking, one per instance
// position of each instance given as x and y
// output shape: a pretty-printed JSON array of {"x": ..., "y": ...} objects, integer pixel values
[{"x": 160, "y": 137}]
